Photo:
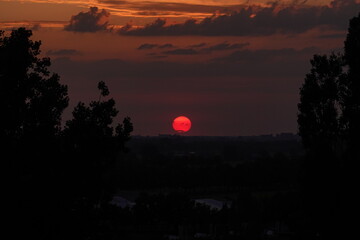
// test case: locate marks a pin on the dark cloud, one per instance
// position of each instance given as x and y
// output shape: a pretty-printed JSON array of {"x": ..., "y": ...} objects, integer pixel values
[
  {"x": 198, "y": 45},
  {"x": 262, "y": 56},
  {"x": 35, "y": 27},
  {"x": 182, "y": 51},
  {"x": 166, "y": 45},
  {"x": 148, "y": 13},
  {"x": 335, "y": 35},
  {"x": 91, "y": 21},
  {"x": 147, "y": 46},
  {"x": 63, "y": 52},
  {"x": 149, "y": 29},
  {"x": 197, "y": 48},
  {"x": 256, "y": 21},
  {"x": 153, "y": 13},
  {"x": 225, "y": 46}
]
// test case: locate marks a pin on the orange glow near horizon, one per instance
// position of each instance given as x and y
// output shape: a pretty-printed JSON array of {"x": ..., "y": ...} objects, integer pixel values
[{"x": 181, "y": 124}]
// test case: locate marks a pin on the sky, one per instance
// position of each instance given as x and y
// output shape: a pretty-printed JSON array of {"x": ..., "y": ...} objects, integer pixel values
[{"x": 234, "y": 67}]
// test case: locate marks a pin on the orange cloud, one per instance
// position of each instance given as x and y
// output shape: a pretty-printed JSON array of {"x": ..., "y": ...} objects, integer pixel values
[{"x": 33, "y": 25}]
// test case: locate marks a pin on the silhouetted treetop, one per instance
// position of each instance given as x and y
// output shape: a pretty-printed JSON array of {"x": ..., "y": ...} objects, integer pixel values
[
  {"x": 95, "y": 119},
  {"x": 91, "y": 127},
  {"x": 104, "y": 90}
]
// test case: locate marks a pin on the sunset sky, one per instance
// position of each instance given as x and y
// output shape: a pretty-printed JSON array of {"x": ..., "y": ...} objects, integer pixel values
[{"x": 234, "y": 67}]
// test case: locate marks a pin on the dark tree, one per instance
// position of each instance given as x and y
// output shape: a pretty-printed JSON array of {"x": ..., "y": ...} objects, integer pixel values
[
  {"x": 352, "y": 89},
  {"x": 104, "y": 90},
  {"x": 31, "y": 98},
  {"x": 91, "y": 133},
  {"x": 329, "y": 108},
  {"x": 31, "y": 101},
  {"x": 58, "y": 180},
  {"x": 351, "y": 118},
  {"x": 329, "y": 124},
  {"x": 92, "y": 147},
  {"x": 319, "y": 107}
]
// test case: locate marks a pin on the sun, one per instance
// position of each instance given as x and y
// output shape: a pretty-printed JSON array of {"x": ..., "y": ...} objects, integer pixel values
[{"x": 181, "y": 124}]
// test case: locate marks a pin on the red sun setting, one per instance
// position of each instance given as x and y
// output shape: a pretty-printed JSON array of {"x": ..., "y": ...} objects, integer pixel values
[{"x": 181, "y": 124}]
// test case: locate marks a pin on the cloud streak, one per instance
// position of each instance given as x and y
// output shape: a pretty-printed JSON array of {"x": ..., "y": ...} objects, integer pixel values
[
  {"x": 224, "y": 46},
  {"x": 148, "y": 46},
  {"x": 261, "y": 56},
  {"x": 192, "y": 49},
  {"x": 200, "y": 49},
  {"x": 257, "y": 21},
  {"x": 63, "y": 52},
  {"x": 167, "y": 8},
  {"x": 181, "y": 51}
]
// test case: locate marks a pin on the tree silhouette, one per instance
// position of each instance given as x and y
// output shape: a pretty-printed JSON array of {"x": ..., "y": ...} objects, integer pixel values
[
  {"x": 58, "y": 180},
  {"x": 329, "y": 124},
  {"x": 94, "y": 145},
  {"x": 104, "y": 90},
  {"x": 329, "y": 108},
  {"x": 352, "y": 88},
  {"x": 31, "y": 99},
  {"x": 351, "y": 118},
  {"x": 91, "y": 130},
  {"x": 319, "y": 107}
]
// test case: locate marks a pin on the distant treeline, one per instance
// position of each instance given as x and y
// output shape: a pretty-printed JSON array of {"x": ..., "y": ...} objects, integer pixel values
[{"x": 192, "y": 162}]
